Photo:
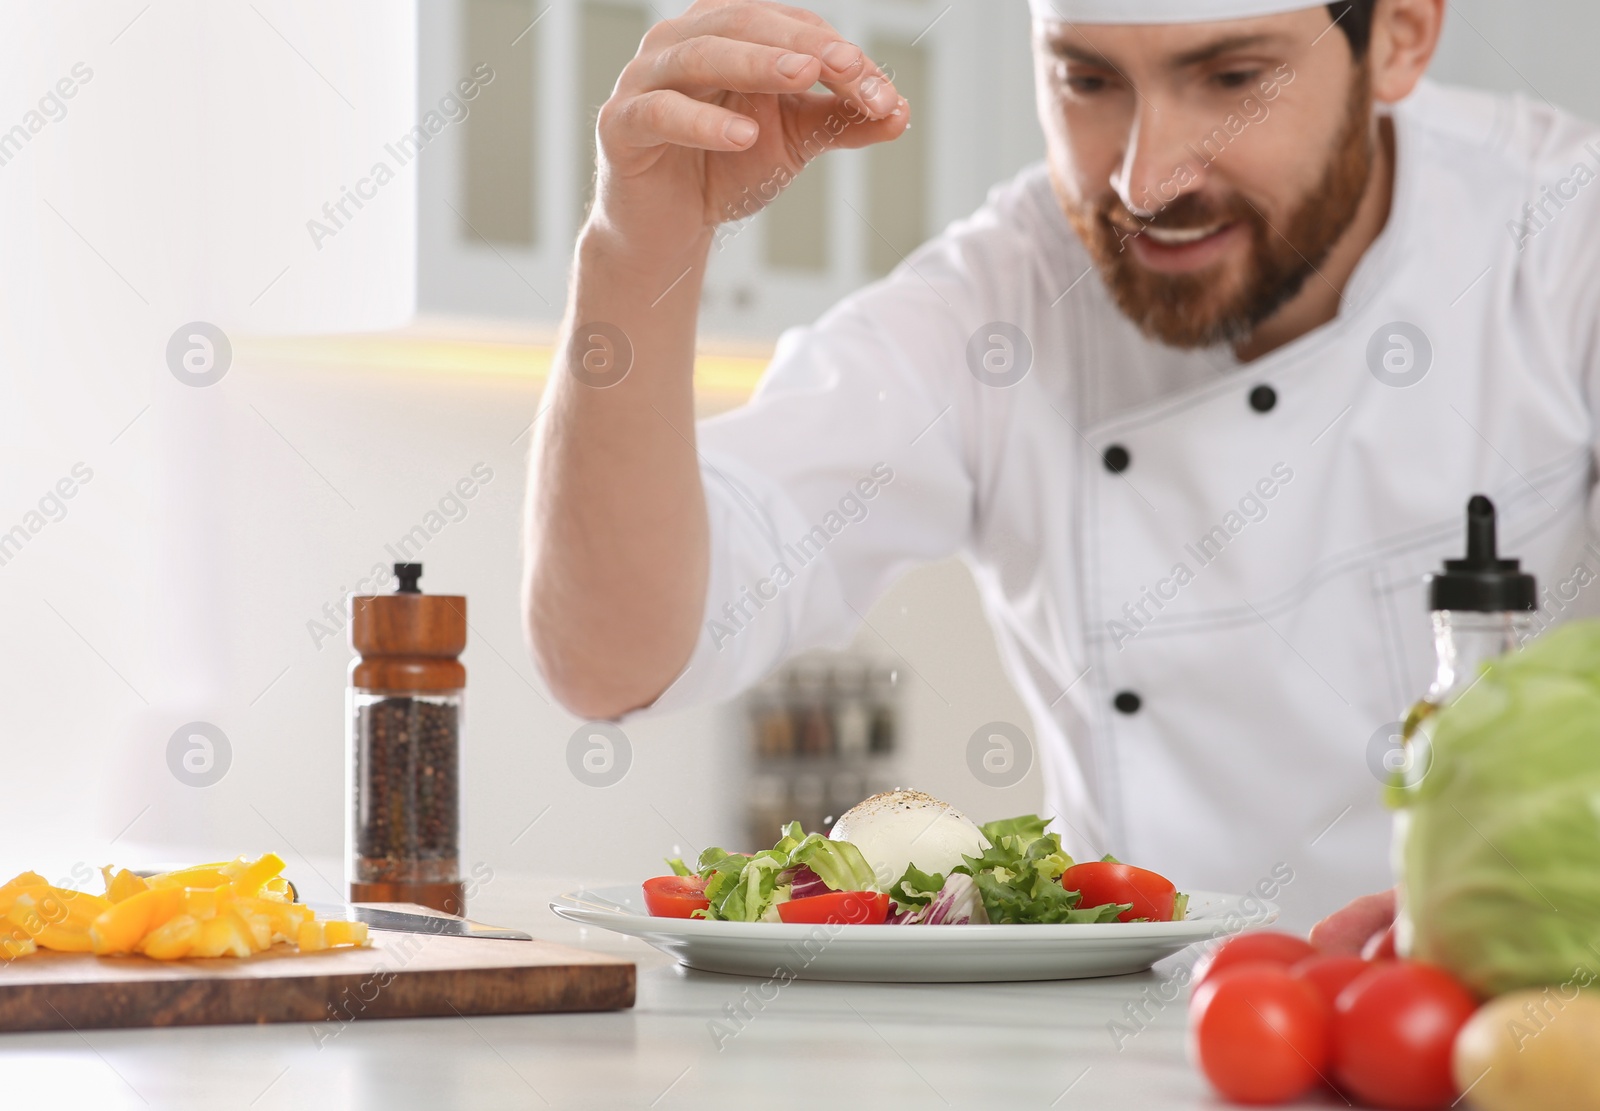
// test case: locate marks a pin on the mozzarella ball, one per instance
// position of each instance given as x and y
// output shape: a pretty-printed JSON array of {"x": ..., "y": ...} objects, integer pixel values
[{"x": 899, "y": 828}]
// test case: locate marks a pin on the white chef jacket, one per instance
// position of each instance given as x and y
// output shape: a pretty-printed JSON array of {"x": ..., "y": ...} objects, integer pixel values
[{"x": 1255, "y": 577}]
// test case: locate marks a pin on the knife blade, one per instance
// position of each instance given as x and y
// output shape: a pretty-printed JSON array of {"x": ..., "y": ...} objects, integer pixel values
[{"x": 410, "y": 922}]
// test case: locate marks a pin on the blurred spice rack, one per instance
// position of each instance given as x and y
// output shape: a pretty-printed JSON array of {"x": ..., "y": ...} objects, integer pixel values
[{"x": 823, "y": 735}]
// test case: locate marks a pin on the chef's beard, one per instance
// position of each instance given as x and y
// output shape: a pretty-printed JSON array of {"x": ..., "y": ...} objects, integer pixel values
[{"x": 1212, "y": 306}]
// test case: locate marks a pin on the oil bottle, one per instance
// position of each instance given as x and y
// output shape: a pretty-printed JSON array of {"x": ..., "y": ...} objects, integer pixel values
[{"x": 1483, "y": 607}]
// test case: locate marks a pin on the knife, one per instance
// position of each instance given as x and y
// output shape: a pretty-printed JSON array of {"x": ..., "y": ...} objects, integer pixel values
[
  {"x": 410, "y": 922},
  {"x": 393, "y": 921}
]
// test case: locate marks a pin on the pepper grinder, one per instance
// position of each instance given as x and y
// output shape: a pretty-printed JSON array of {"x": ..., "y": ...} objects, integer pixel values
[{"x": 404, "y": 716}]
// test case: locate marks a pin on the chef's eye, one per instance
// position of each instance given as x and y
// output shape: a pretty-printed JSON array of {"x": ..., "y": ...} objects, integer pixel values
[
  {"x": 1235, "y": 78},
  {"x": 1086, "y": 84}
]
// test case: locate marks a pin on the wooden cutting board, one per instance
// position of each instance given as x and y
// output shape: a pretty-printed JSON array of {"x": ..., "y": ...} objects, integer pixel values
[{"x": 400, "y": 976}]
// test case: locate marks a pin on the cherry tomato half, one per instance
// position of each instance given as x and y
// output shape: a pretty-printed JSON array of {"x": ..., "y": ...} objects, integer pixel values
[
  {"x": 838, "y": 908},
  {"x": 1268, "y": 946},
  {"x": 1102, "y": 882},
  {"x": 1393, "y": 1031},
  {"x": 1331, "y": 973},
  {"x": 675, "y": 896},
  {"x": 1259, "y": 1034}
]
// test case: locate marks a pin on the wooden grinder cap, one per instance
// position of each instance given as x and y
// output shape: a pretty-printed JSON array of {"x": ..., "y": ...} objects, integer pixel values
[{"x": 408, "y": 641}]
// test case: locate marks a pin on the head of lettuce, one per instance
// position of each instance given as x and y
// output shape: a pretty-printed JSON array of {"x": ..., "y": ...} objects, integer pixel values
[{"x": 1498, "y": 844}]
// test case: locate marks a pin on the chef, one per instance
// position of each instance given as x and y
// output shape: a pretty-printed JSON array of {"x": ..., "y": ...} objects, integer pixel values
[{"x": 1199, "y": 398}]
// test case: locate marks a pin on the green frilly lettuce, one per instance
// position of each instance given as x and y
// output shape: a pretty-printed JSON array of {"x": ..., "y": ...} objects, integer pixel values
[
  {"x": 1498, "y": 843},
  {"x": 1018, "y": 878},
  {"x": 748, "y": 888}
]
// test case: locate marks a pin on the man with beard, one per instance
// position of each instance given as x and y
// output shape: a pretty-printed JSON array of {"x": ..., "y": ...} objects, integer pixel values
[{"x": 1200, "y": 399}]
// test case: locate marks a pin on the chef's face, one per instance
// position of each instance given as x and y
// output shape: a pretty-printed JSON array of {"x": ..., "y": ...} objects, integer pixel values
[{"x": 1209, "y": 168}]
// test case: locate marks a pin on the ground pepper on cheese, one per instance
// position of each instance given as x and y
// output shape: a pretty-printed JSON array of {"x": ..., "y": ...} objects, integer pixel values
[{"x": 233, "y": 908}]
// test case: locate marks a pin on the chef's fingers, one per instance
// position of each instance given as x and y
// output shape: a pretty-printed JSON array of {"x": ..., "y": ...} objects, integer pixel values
[
  {"x": 823, "y": 121},
  {"x": 708, "y": 64},
  {"x": 844, "y": 68},
  {"x": 1350, "y": 929},
  {"x": 1380, "y": 947},
  {"x": 668, "y": 116}
]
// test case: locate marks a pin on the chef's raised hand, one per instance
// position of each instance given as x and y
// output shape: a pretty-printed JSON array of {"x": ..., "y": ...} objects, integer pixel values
[
  {"x": 717, "y": 112},
  {"x": 713, "y": 116}
]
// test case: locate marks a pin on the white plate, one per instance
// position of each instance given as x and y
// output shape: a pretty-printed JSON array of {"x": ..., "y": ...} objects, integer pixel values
[{"x": 913, "y": 954}]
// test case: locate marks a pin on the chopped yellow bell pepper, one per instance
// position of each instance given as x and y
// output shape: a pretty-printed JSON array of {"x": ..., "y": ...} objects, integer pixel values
[
  {"x": 206, "y": 875},
  {"x": 9, "y": 890},
  {"x": 122, "y": 884},
  {"x": 171, "y": 940},
  {"x": 253, "y": 937},
  {"x": 260, "y": 930},
  {"x": 313, "y": 936},
  {"x": 56, "y": 918},
  {"x": 226, "y": 935},
  {"x": 206, "y": 902},
  {"x": 283, "y": 918},
  {"x": 120, "y": 929},
  {"x": 229, "y": 908},
  {"x": 336, "y": 932},
  {"x": 248, "y": 880},
  {"x": 11, "y": 948}
]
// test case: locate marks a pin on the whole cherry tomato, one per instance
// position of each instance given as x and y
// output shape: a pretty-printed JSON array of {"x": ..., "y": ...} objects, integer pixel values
[
  {"x": 1259, "y": 1034},
  {"x": 1393, "y": 1031},
  {"x": 1266, "y": 946},
  {"x": 1331, "y": 973}
]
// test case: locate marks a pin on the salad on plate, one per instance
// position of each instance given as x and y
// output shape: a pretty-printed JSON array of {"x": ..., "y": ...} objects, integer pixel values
[{"x": 904, "y": 858}]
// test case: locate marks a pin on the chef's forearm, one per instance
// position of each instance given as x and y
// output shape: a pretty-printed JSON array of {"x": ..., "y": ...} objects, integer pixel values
[{"x": 617, "y": 533}]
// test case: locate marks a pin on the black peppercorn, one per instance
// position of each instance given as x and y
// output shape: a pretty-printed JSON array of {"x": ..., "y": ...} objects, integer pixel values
[{"x": 407, "y": 827}]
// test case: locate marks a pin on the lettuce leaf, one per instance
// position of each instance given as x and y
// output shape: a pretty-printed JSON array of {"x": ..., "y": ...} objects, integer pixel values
[
  {"x": 741, "y": 889},
  {"x": 839, "y": 864},
  {"x": 1021, "y": 845},
  {"x": 1037, "y": 902},
  {"x": 1019, "y": 877},
  {"x": 1027, "y": 828},
  {"x": 916, "y": 888},
  {"x": 744, "y": 888}
]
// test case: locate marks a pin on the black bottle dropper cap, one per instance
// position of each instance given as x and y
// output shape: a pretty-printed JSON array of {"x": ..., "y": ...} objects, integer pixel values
[
  {"x": 408, "y": 574},
  {"x": 1483, "y": 582}
]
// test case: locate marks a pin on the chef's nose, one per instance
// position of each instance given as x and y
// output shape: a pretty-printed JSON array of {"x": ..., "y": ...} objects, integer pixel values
[{"x": 1158, "y": 165}]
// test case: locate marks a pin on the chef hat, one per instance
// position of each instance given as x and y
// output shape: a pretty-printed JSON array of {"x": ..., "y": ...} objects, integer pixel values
[{"x": 1161, "y": 11}]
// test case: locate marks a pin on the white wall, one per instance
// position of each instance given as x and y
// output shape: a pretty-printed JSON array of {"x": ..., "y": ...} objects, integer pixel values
[{"x": 1543, "y": 49}]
